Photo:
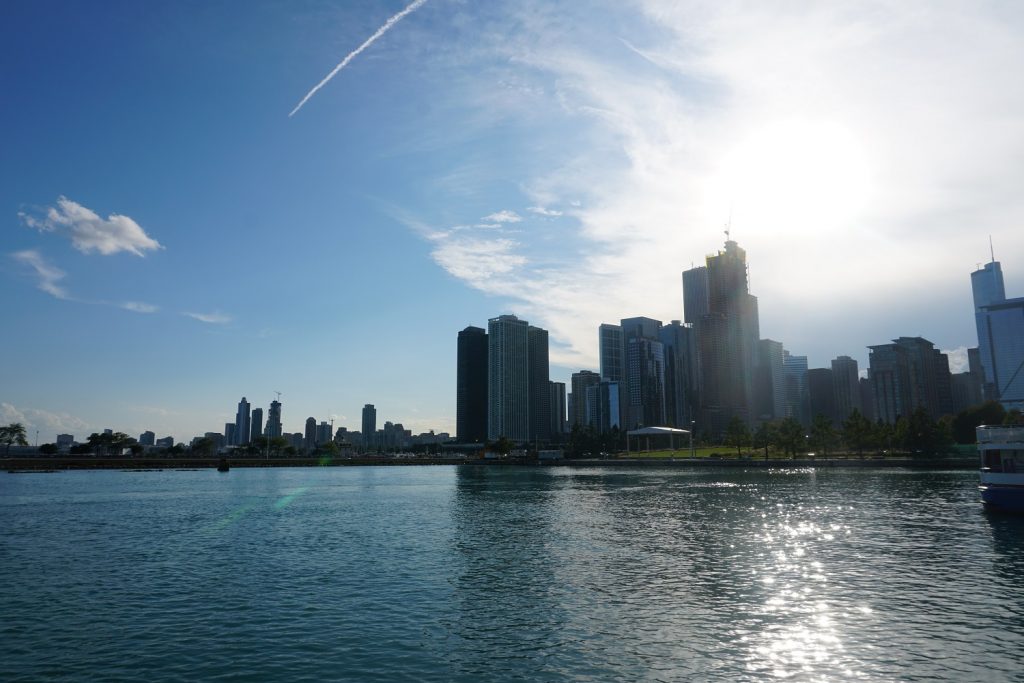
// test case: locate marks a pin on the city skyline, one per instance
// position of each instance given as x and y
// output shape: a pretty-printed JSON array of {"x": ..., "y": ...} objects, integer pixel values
[{"x": 173, "y": 240}]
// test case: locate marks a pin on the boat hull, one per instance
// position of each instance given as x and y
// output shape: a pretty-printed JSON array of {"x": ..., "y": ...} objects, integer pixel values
[{"x": 1010, "y": 498}]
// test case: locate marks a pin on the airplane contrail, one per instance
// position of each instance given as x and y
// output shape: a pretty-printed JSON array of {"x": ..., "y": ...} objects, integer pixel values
[{"x": 352, "y": 55}]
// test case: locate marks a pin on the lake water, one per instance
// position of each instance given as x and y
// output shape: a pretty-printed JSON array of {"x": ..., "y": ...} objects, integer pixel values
[{"x": 462, "y": 573}]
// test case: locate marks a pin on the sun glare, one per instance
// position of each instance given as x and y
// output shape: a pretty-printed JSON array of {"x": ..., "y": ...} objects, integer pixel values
[{"x": 794, "y": 177}]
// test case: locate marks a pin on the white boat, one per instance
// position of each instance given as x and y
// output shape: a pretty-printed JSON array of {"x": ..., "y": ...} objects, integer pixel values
[{"x": 1002, "y": 466}]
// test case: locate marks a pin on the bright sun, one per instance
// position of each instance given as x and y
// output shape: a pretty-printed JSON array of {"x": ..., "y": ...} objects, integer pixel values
[{"x": 795, "y": 177}]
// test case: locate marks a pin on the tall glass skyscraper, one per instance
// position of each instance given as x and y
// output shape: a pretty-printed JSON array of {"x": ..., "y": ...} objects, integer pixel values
[
  {"x": 242, "y": 429},
  {"x": 508, "y": 379},
  {"x": 471, "y": 386},
  {"x": 1000, "y": 326}
]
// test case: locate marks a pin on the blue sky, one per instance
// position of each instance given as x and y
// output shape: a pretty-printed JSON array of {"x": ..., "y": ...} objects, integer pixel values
[{"x": 173, "y": 240}]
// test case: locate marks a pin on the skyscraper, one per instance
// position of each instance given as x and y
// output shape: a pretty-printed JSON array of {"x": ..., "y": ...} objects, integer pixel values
[
  {"x": 242, "y": 428},
  {"x": 846, "y": 382},
  {"x": 257, "y": 424},
  {"x": 769, "y": 381},
  {"x": 727, "y": 335},
  {"x": 1000, "y": 326},
  {"x": 557, "y": 394},
  {"x": 274, "y": 428},
  {"x": 907, "y": 374},
  {"x": 580, "y": 382},
  {"x": 644, "y": 372},
  {"x": 602, "y": 406},
  {"x": 471, "y": 386},
  {"x": 794, "y": 372},
  {"x": 821, "y": 393},
  {"x": 609, "y": 341},
  {"x": 508, "y": 379},
  {"x": 540, "y": 391},
  {"x": 369, "y": 426},
  {"x": 680, "y": 349},
  {"x": 310, "y": 435}
]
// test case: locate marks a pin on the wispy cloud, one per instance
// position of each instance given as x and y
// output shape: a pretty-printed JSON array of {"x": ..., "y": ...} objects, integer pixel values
[
  {"x": 139, "y": 307},
  {"x": 352, "y": 55},
  {"x": 89, "y": 232},
  {"x": 211, "y": 318},
  {"x": 48, "y": 276},
  {"x": 504, "y": 216},
  {"x": 845, "y": 141},
  {"x": 477, "y": 260},
  {"x": 542, "y": 211},
  {"x": 43, "y": 420}
]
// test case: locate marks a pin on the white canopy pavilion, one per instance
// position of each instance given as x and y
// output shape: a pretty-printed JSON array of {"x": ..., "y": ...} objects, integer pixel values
[{"x": 648, "y": 432}]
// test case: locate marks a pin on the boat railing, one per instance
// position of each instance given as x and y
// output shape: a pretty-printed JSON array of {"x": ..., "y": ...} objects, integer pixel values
[{"x": 1000, "y": 434}]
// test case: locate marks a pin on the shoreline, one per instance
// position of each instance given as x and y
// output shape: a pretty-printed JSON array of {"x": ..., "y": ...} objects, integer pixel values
[{"x": 42, "y": 465}]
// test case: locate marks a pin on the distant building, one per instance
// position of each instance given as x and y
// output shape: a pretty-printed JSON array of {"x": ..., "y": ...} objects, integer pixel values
[
  {"x": 165, "y": 442},
  {"x": 471, "y": 386},
  {"x": 609, "y": 341},
  {"x": 602, "y": 406},
  {"x": 846, "y": 384},
  {"x": 643, "y": 388},
  {"x": 508, "y": 379},
  {"x": 1000, "y": 327},
  {"x": 257, "y": 424},
  {"x": 558, "y": 405},
  {"x": 242, "y": 432},
  {"x": 369, "y": 427},
  {"x": 794, "y": 371},
  {"x": 867, "y": 399},
  {"x": 679, "y": 345},
  {"x": 229, "y": 433},
  {"x": 580, "y": 381},
  {"x": 145, "y": 439},
  {"x": 907, "y": 374},
  {"x": 324, "y": 433},
  {"x": 821, "y": 393},
  {"x": 309, "y": 440},
  {"x": 539, "y": 388},
  {"x": 274, "y": 427},
  {"x": 65, "y": 441},
  {"x": 769, "y": 381}
]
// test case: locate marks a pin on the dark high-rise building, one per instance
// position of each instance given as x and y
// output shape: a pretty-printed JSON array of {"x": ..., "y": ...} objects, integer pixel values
[
  {"x": 794, "y": 373},
  {"x": 602, "y": 408},
  {"x": 609, "y": 341},
  {"x": 145, "y": 439},
  {"x": 846, "y": 380},
  {"x": 310, "y": 435},
  {"x": 508, "y": 379},
  {"x": 274, "y": 428},
  {"x": 727, "y": 336},
  {"x": 907, "y": 374},
  {"x": 229, "y": 433},
  {"x": 1000, "y": 325},
  {"x": 695, "y": 295},
  {"x": 680, "y": 348},
  {"x": 241, "y": 433},
  {"x": 369, "y": 426},
  {"x": 770, "y": 381},
  {"x": 257, "y": 424},
  {"x": 557, "y": 398},
  {"x": 540, "y": 391},
  {"x": 821, "y": 393},
  {"x": 644, "y": 371},
  {"x": 578, "y": 408},
  {"x": 471, "y": 386},
  {"x": 867, "y": 399}
]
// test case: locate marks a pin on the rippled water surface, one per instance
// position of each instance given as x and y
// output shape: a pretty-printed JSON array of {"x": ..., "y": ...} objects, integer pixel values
[{"x": 437, "y": 573}]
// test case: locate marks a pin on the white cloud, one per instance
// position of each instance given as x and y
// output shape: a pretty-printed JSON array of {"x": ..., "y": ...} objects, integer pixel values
[
  {"x": 958, "y": 359},
  {"x": 47, "y": 275},
  {"x": 541, "y": 211},
  {"x": 504, "y": 216},
  {"x": 48, "y": 423},
  {"x": 89, "y": 232},
  {"x": 211, "y": 318},
  {"x": 139, "y": 307},
  {"x": 858, "y": 155}
]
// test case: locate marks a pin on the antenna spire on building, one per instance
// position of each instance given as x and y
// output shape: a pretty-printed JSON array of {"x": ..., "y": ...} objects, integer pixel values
[{"x": 991, "y": 249}]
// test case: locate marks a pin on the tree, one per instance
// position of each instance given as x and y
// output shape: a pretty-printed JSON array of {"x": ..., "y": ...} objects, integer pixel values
[
  {"x": 49, "y": 449},
  {"x": 1014, "y": 417},
  {"x": 920, "y": 433},
  {"x": 857, "y": 432},
  {"x": 503, "y": 445},
  {"x": 966, "y": 421},
  {"x": 737, "y": 434},
  {"x": 790, "y": 436},
  {"x": 203, "y": 446},
  {"x": 764, "y": 437},
  {"x": 883, "y": 434},
  {"x": 13, "y": 435},
  {"x": 823, "y": 434}
]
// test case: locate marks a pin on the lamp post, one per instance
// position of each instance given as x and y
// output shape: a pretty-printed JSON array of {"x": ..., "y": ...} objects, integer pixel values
[{"x": 693, "y": 454}]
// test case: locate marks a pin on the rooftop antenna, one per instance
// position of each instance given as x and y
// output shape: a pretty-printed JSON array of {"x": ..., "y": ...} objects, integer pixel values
[
  {"x": 991, "y": 249},
  {"x": 278, "y": 396}
]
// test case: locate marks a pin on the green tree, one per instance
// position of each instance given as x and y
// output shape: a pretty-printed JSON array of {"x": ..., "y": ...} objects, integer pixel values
[
  {"x": 764, "y": 437},
  {"x": 737, "y": 434},
  {"x": 49, "y": 449},
  {"x": 884, "y": 435},
  {"x": 203, "y": 446},
  {"x": 823, "y": 434},
  {"x": 857, "y": 432},
  {"x": 790, "y": 436},
  {"x": 503, "y": 445},
  {"x": 1014, "y": 417},
  {"x": 966, "y": 421},
  {"x": 13, "y": 435}
]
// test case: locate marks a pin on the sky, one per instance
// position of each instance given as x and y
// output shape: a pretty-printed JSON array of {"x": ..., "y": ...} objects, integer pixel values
[{"x": 181, "y": 228}]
